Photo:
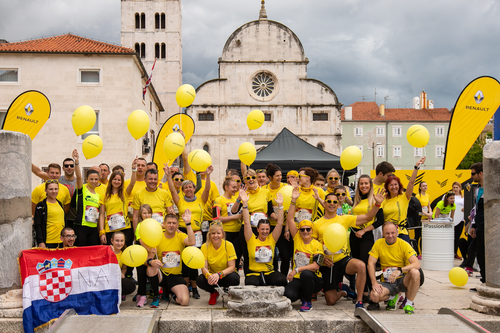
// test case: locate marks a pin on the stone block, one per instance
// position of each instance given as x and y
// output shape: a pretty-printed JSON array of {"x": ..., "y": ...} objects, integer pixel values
[
  {"x": 318, "y": 321},
  {"x": 222, "y": 323},
  {"x": 251, "y": 301},
  {"x": 185, "y": 320},
  {"x": 9, "y": 325}
]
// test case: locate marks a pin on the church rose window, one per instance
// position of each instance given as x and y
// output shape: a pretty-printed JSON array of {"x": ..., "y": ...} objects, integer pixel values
[{"x": 263, "y": 85}]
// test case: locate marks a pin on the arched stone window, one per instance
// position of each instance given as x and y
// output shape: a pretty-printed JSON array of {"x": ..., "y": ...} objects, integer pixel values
[
  {"x": 206, "y": 148},
  {"x": 143, "y": 50},
  {"x": 157, "y": 50},
  {"x": 163, "y": 51}
]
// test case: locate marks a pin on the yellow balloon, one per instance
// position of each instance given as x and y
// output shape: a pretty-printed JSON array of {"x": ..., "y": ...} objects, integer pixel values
[
  {"x": 83, "y": 119},
  {"x": 92, "y": 146},
  {"x": 255, "y": 119},
  {"x": 417, "y": 136},
  {"x": 134, "y": 256},
  {"x": 335, "y": 237},
  {"x": 193, "y": 257},
  {"x": 185, "y": 95},
  {"x": 173, "y": 145},
  {"x": 151, "y": 232},
  {"x": 138, "y": 123},
  {"x": 458, "y": 276},
  {"x": 286, "y": 192},
  {"x": 247, "y": 153},
  {"x": 350, "y": 157},
  {"x": 199, "y": 160}
]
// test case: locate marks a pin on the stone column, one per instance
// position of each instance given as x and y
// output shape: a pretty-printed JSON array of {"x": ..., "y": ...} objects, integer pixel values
[
  {"x": 488, "y": 298},
  {"x": 15, "y": 204}
]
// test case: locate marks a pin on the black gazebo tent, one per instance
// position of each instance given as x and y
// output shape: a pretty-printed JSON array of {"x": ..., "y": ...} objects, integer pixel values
[{"x": 290, "y": 152}]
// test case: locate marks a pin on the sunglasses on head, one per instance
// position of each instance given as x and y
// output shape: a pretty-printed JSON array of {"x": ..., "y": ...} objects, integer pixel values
[
  {"x": 69, "y": 165},
  {"x": 178, "y": 179},
  {"x": 333, "y": 178},
  {"x": 250, "y": 177},
  {"x": 329, "y": 201},
  {"x": 305, "y": 229},
  {"x": 340, "y": 194},
  {"x": 50, "y": 181},
  {"x": 216, "y": 222},
  {"x": 260, "y": 170},
  {"x": 300, "y": 176}
]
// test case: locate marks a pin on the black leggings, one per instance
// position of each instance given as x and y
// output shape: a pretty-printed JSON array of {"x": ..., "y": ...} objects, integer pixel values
[
  {"x": 86, "y": 236},
  {"x": 285, "y": 252},
  {"x": 234, "y": 238},
  {"x": 471, "y": 253},
  {"x": 244, "y": 248},
  {"x": 141, "y": 280},
  {"x": 273, "y": 279},
  {"x": 128, "y": 286},
  {"x": 359, "y": 250},
  {"x": 233, "y": 279},
  {"x": 303, "y": 288},
  {"x": 458, "y": 232}
]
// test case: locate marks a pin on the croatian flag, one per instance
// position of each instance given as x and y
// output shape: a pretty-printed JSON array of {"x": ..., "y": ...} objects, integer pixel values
[
  {"x": 87, "y": 279},
  {"x": 149, "y": 80}
]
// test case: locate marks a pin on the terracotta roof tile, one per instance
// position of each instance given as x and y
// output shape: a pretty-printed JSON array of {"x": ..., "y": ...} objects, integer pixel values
[
  {"x": 67, "y": 43},
  {"x": 370, "y": 111}
]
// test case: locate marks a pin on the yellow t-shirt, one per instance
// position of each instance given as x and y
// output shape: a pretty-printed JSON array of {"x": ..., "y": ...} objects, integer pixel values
[
  {"x": 218, "y": 259},
  {"x": 260, "y": 255},
  {"x": 257, "y": 205},
  {"x": 225, "y": 205},
  {"x": 320, "y": 225},
  {"x": 395, "y": 255},
  {"x": 212, "y": 195},
  {"x": 274, "y": 193},
  {"x": 308, "y": 208},
  {"x": 119, "y": 258},
  {"x": 101, "y": 190},
  {"x": 116, "y": 213},
  {"x": 170, "y": 250},
  {"x": 159, "y": 200},
  {"x": 55, "y": 222},
  {"x": 304, "y": 253},
  {"x": 424, "y": 201},
  {"x": 395, "y": 210},
  {"x": 377, "y": 187},
  {"x": 39, "y": 194},
  {"x": 139, "y": 185},
  {"x": 362, "y": 208},
  {"x": 196, "y": 208}
]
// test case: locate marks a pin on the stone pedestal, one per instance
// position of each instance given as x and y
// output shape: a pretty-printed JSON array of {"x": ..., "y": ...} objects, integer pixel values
[
  {"x": 488, "y": 298},
  {"x": 251, "y": 301},
  {"x": 15, "y": 204}
]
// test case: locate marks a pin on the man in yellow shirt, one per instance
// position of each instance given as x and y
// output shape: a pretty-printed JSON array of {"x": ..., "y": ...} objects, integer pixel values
[
  {"x": 104, "y": 173},
  {"x": 38, "y": 194},
  {"x": 139, "y": 183},
  {"x": 400, "y": 268}
]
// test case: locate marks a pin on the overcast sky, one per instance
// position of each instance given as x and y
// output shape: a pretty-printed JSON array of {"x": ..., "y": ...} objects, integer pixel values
[{"x": 398, "y": 47}]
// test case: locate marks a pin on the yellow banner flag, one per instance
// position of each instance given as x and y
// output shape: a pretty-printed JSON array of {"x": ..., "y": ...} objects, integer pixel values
[
  {"x": 27, "y": 113},
  {"x": 175, "y": 123},
  {"x": 475, "y": 106}
]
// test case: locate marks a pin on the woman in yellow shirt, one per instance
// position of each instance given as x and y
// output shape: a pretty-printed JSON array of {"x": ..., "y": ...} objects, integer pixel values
[
  {"x": 307, "y": 207},
  {"x": 395, "y": 205},
  {"x": 425, "y": 202},
  {"x": 333, "y": 180},
  {"x": 261, "y": 247},
  {"x": 49, "y": 217},
  {"x": 117, "y": 246},
  {"x": 220, "y": 257}
]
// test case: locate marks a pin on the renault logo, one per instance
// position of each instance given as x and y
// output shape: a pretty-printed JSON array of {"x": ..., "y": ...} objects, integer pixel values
[
  {"x": 479, "y": 97},
  {"x": 29, "y": 109}
]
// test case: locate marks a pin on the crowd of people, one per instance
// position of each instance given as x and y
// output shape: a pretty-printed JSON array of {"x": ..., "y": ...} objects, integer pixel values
[{"x": 247, "y": 227}]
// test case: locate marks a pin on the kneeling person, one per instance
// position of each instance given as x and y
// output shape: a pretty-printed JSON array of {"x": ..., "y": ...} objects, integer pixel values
[{"x": 400, "y": 266}]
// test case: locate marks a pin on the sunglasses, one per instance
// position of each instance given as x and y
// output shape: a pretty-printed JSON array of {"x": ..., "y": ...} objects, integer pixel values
[
  {"x": 70, "y": 236},
  {"x": 333, "y": 178},
  {"x": 238, "y": 181},
  {"x": 328, "y": 201},
  {"x": 300, "y": 176},
  {"x": 250, "y": 177},
  {"x": 340, "y": 194},
  {"x": 260, "y": 170},
  {"x": 178, "y": 179},
  {"x": 473, "y": 173},
  {"x": 305, "y": 229},
  {"x": 69, "y": 165},
  {"x": 216, "y": 222},
  {"x": 52, "y": 181}
]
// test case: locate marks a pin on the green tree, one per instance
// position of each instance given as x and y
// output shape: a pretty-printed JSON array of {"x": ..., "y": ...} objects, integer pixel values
[{"x": 475, "y": 153}]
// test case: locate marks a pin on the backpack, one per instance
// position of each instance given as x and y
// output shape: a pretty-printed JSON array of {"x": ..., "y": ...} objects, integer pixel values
[{"x": 414, "y": 211}]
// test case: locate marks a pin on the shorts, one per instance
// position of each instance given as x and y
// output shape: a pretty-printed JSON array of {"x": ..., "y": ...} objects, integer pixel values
[
  {"x": 334, "y": 281},
  {"x": 396, "y": 287},
  {"x": 171, "y": 281}
]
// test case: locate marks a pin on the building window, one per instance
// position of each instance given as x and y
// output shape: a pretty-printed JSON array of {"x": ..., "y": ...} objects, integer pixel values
[
  {"x": 162, "y": 20},
  {"x": 9, "y": 75},
  {"x": 419, "y": 152},
  {"x": 380, "y": 151},
  {"x": 137, "y": 21},
  {"x": 163, "y": 51},
  {"x": 439, "y": 151},
  {"x": 320, "y": 116},
  {"x": 267, "y": 117},
  {"x": 358, "y": 131},
  {"x": 396, "y": 151},
  {"x": 380, "y": 131},
  {"x": 206, "y": 148},
  {"x": 440, "y": 131},
  {"x": 262, "y": 143},
  {"x": 396, "y": 131},
  {"x": 3, "y": 113},
  {"x": 95, "y": 129},
  {"x": 89, "y": 76},
  {"x": 321, "y": 146},
  {"x": 143, "y": 21},
  {"x": 138, "y": 49},
  {"x": 206, "y": 116},
  {"x": 157, "y": 21},
  {"x": 157, "y": 50},
  {"x": 143, "y": 50}
]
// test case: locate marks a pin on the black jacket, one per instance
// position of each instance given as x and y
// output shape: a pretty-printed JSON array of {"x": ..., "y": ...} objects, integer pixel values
[{"x": 40, "y": 222}]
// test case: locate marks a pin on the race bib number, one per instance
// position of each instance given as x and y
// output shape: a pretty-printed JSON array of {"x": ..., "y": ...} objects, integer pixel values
[
  {"x": 171, "y": 259},
  {"x": 425, "y": 209},
  {"x": 230, "y": 209},
  {"x": 91, "y": 214},
  {"x": 158, "y": 217},
  {"x": 198, "y": 237},
  {"x": 116, "y": 221},
  {"x": 387, "y": 272},
  {"x": 303, "y": 214},
  {"x": 130, "y": 209},
  {"x": 263, "y": 254},
  {"x": 256, "y": 217},
  {"x": 204, "y": 226},
  {"x": 302, "y": 259}
]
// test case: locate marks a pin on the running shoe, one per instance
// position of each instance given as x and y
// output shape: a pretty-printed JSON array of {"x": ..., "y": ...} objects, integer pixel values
[
  {"x": 164, "y": 297},
  {"x": 409, "y": 309},
  {"x": 213, "y": 298},
  {"x": 391, "y": 304},
  {"x": 350, "y": 294},
  {"x": 196, "y": 295},
  {"x": 360, "y": 305},
  {"x": 469, "y": 271},
  {"x": 141, "y": 301},
  {"x": 307, "y": 306},
  {"x": 156, "y": 302},
  {"x": 314, "y": 297},
  {"x": 373, "y": 306},
  {"x": 458, "y": 257},
  {"x": 403, "y": 303}
]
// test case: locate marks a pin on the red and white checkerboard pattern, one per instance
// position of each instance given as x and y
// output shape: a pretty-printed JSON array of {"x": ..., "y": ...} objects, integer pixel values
[{"x": 55, "y": 284}]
